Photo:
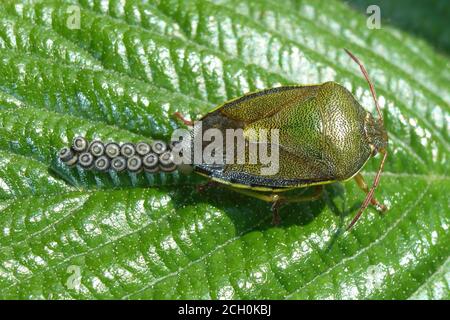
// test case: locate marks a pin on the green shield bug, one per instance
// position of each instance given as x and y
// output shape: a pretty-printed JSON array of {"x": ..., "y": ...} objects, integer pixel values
[{"x": 325, "y": 135}]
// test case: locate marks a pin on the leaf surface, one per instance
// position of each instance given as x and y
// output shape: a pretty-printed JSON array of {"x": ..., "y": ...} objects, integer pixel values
[{"x": 68, "y": 233}]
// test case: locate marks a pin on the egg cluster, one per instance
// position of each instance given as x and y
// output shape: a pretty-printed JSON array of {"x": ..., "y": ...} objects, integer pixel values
[{"x": 150, "y": 157}]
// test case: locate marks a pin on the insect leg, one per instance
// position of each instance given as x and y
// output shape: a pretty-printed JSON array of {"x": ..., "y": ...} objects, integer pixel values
[
  {"x": 256, "y": 194},
  {"x": 276, "y": 219},
  {"x": 204, "y": 186},
  {"x": 278, "y": 200},
  {"x": 316, "y": 195},
  {"x": 363, "y": 186},
  {"x": 369, "y": 195},
  {"x": 277, "y": 203},
  {"x": 183, "y": 119},
  {"x": 276, "y": 197}
]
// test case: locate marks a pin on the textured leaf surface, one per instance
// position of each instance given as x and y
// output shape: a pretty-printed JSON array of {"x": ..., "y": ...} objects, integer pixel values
[
  {"x": 436, "y": 31},
  {"x": 120, "y": 77}
]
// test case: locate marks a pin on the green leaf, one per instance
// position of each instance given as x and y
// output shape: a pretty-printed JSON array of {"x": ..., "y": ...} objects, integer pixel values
[
  {"x": 121, "y": 76},
  {"x": 411, "y": 17}
]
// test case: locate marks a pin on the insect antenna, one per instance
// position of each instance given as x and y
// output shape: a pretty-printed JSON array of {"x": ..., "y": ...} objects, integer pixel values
[
  {"x": 372, "y": 88},
  {"x": 376, "y": 181}
]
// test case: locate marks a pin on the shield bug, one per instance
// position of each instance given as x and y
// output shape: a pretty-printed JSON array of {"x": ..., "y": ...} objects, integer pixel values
[{"x": 325, "y": 136}]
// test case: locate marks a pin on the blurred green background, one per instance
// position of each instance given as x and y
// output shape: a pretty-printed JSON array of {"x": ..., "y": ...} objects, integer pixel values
[{"x": 427, "y": 19}]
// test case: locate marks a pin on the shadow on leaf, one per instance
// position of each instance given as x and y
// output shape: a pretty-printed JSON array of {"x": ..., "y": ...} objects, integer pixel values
[{"x": 248, "y": 214}]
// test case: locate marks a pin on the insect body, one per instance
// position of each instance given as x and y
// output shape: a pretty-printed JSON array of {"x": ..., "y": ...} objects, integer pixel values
[{"x": 324, "y": 135}]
